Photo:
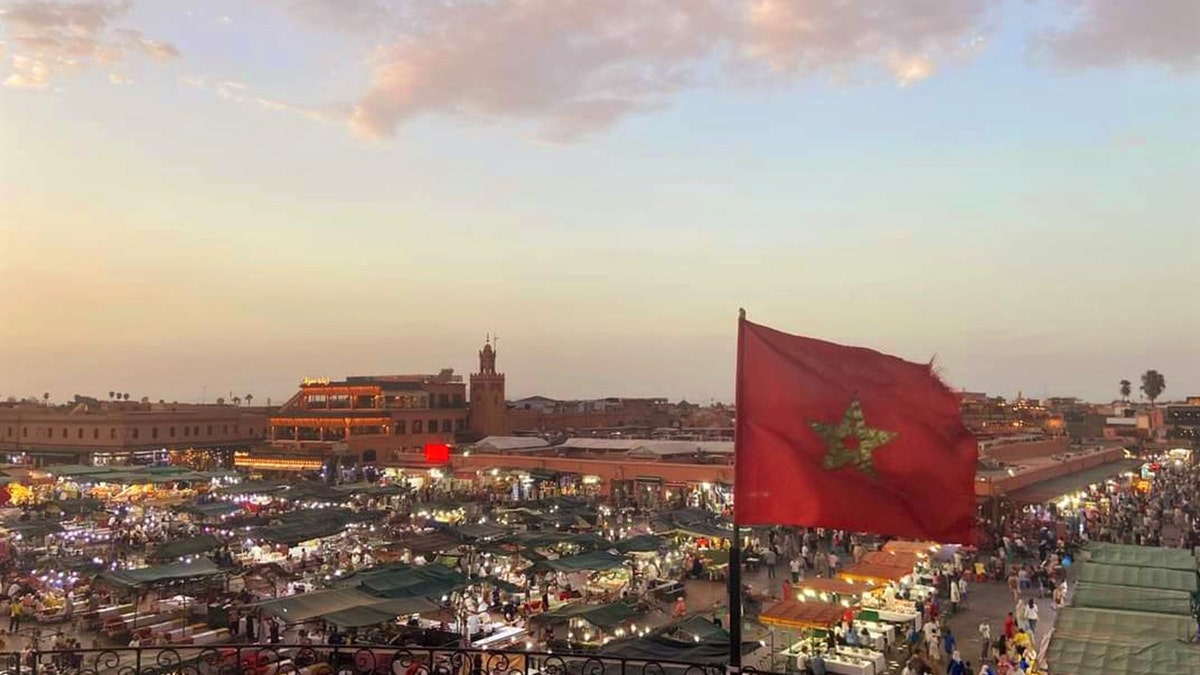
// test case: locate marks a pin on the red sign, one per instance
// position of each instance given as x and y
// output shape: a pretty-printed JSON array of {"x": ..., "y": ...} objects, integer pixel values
[{"x": 437, "y": 453}]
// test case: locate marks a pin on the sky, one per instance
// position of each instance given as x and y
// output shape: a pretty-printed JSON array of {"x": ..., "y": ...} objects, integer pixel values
[{"x": 207, "y": 198}]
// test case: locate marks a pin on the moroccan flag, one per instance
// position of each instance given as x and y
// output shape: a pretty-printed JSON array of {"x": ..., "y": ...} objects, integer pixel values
[{"x": 848, "y": 438}]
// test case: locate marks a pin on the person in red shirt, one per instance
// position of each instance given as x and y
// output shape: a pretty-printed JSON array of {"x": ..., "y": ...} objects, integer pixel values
[{"x": 1010, "y": 627}]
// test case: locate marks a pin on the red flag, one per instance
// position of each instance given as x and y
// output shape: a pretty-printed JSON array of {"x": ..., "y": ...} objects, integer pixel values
[{"x": 848, "y": 438}]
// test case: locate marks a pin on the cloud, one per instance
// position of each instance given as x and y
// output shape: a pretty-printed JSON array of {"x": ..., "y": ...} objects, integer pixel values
[
  {"x": 52, "y": 39},
  {"x": 240, "y": 92},
  {"x": 574, "y": 67},
  {"x": 1114, "y": 33}
]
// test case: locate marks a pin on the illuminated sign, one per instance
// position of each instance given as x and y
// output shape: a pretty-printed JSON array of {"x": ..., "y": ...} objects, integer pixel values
[
  {"x": 314, "y": 382},
  {"x": 437, "y": 453}
]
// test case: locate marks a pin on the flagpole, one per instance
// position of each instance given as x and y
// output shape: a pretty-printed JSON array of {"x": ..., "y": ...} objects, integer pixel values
[{"x": 735, "y": 549}]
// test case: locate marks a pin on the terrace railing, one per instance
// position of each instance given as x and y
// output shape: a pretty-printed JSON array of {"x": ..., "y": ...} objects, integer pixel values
[{"x": 334, "y": 660}]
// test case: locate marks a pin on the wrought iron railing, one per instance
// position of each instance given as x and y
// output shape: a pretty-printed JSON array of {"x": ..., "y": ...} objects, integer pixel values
[{"x": 333, "y": 660}]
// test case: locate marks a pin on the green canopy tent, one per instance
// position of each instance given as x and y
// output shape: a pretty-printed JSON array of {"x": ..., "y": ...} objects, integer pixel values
[
  {"x": 1140, "y": 556},
  {"x": 643, "y": 543},
  {"x": 73, "y": 470},
  {"x": 253, "y": 488},
  {"x": 596, "y": 561},
  {"x": 1141, "y": 577},
  {"x": 149, "y": 576},
  {"x": 691, "y": 522},
  {"x": 1132, "y": 598},
  {"x": 1119, "y": 626},
  {"x": 600, "y": 616},
  {"x": 211, "y": 510},
  {"x": 1067, "y": 656},
  {"x": 350, "y": 606},
  {"x": 694, "y": 640},
  {"x": 586, "y": 542},
  {"x": 478, "y": 531},
  {"x": 405, "y": 581},
  {"x": 181, "y": 548}
]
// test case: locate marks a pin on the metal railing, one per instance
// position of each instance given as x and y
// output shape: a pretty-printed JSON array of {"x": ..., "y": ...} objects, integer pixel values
[{"x": 334, "y": 660}]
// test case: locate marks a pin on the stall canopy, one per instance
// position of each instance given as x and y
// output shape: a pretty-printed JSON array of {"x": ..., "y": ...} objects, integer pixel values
[
  {"x": 1141, "y": 577},
  {"x": 407, "y": 581},
  {"x": 1132, "y": 598},
  {"x": 694, "y": 640},
  {"x": 643, "y": 543},
  {"x": 72, "y": 470},
  {"x": 347, "y": 607},
  {"x": 904, "y": 560},
  {"x": 315, "y": 492},
  {"x": 871, "y": 572},
  {"x": 211, "y": 509},
  {"x": 433, "y": 542},
  {"x": 797, "y": 614},
  {"x": 596, "y": 561},
  {"x": 479, "y": 531},
  {"x": 1088, "y": 656},
  {"x": 298, "y": 526},
  {"x": 33, "y": 529},
  {"x": 1140, "y": 556},
  {"x": 149, "y": 576},
  {"x": 180, "y": 548},
  {"x": 601, "y": 616},
  {"x": 811, "y": 587},
  {"x": 691, "y": 522},
  {"x": 253, "y": 488},
  {"x": 915, "y": 547},
  {"x": 587, "y": 542},
  {"x": 1121, "y": 626}
]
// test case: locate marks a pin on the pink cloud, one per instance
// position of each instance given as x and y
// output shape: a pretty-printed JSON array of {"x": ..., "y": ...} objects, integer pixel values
[
  {"x": 52, "y": 39},
  {"x": 1112, "y": 33},
  {"x": 574, "y": 67}
]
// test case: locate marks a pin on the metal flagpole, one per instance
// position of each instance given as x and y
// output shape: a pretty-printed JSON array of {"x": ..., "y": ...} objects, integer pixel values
[{"x": 735, "y": 548}]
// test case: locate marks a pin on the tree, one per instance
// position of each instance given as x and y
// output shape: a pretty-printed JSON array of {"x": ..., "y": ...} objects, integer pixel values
[
  {"x": 237, "y": 400},
  {"x": 126, "y": 396},
  {"x": 46, "y": 397},
  {"x": 111, "y": 395},
  {"x": 220, "y": 400},
  {"x": 1153, "y": 384},
  {"x": 248, "y": 398},
  {"x": 1126, "y": 390}
]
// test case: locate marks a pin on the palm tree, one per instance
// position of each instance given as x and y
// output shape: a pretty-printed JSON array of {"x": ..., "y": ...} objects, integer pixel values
[
  {"x": 1126, "y": 390},
  {"x": 248, "y": 397},
  {"x": 46, "y": 397},
  {"x": 111, "y": 394},
  {"x": 1153, "y": 384},
  {"x": 220, "y": 400},
  {"x": 126, "y": 396},
  {"x": 237, "y": 400}
]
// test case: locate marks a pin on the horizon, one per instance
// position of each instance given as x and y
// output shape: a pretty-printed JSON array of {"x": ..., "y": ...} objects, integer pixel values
[{"x": 234, "y": 196}]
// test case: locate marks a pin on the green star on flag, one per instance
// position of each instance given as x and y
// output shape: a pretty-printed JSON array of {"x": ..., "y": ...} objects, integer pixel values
[{"x": 851, "y": 442}]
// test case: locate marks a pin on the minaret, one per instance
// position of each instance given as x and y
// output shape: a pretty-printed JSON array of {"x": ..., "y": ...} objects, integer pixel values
[{"x": 489, "y": 412}]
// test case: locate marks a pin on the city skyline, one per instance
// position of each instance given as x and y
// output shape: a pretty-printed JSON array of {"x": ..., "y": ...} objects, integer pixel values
[{"x": 239, "y": 195}]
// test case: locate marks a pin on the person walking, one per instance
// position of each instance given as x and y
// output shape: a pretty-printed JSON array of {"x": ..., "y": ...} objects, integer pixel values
[
  {"x": 794, "y": 567},
  {"x": 985, "y": 634},
  {"x": 14, "y": 615},
  {"x": 1031, "y": 616},
  {"x": 955, "y": 596},
  {"x": 770, "y": 558}
]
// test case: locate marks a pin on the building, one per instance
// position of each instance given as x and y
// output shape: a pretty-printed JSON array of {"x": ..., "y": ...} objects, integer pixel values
[
  {"x": 1183, "y": 421},
  {"x": 362, "y": 420},
  {"x": 489, "y": 410},
  {"x": 93, "y": 432}
]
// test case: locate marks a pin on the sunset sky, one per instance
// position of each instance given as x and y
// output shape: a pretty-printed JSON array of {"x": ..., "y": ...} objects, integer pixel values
[{"x": 226, "y": 196}]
